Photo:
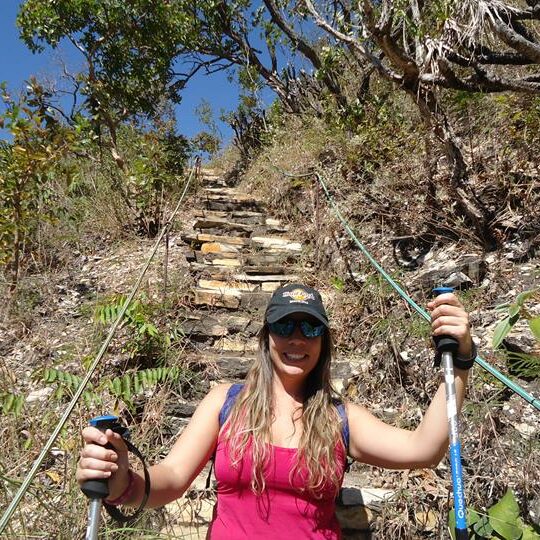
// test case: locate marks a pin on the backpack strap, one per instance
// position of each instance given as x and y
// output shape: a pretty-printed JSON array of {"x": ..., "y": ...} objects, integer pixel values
[
  {"x": 345, "y": 433},
  {"x": 344, "y": 425},
  {"x": 232, "y": 394},
  {"x": 230, "y": 398}
]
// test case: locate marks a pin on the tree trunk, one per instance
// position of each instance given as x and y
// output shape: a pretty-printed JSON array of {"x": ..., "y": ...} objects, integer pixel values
[
  {"x": 467, "y": 203},
  {"x": 17, "y": 241}
]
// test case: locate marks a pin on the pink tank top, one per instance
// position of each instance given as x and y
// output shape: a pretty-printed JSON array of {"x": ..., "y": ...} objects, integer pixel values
[{"x": 281, "y": 512}]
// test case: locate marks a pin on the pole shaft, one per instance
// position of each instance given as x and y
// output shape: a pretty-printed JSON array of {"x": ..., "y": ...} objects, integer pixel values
[
  {"x": 94, "y": 510},
  {"x": 455, "y": 446}
]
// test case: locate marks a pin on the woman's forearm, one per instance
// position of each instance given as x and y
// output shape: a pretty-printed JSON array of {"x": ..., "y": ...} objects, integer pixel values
[
  {"x": 164, "y": 487},
  {"x": 432, "y": 431}
]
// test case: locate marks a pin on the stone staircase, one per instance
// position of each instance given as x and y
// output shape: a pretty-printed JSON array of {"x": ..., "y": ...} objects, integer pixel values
[{"x": 238, "y": 256}]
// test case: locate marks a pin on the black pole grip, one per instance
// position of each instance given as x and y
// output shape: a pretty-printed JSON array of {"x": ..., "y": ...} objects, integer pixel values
[
  {"x": 462, "y": 534},
  {"x": 99, "y": 489},
  {"x": 445, "y": 343}
]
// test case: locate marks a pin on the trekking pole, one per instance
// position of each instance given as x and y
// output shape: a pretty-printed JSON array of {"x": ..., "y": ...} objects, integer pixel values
[
  {"x": 448, "y": 346},
  {"x": 97, "y": 490}
]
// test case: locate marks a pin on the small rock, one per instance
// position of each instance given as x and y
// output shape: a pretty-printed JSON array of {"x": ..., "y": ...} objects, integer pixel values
[
  {"x": 39, "y": 395},
  {"x": 527, "y": 431}
]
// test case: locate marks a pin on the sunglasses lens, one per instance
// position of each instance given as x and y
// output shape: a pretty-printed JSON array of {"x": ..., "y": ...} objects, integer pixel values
[
  {"x": 282, "y": 328},
  {"x": 311, "y": 330},
  {"x": 285, "y": 328}
]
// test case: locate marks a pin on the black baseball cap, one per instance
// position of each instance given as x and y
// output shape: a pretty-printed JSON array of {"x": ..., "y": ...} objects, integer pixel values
[{"x": 295, "y": 298}]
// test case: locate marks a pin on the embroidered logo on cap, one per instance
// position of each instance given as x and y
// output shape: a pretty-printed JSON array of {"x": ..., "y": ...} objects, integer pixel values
[{"x": 299, "y": 295}]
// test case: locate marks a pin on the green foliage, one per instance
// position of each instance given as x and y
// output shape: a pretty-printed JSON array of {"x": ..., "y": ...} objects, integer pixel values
[
  {"x": 207, "y": 141},
  {"x": 156, "y": 162},
  {"x": 125, "y": 387},
  {"x": 11, "y": 403},
  {"x": 525, "y": 365},
  {"x": 338, "y": 283},
  {"x": 67, "y": 382},
  {"x": 464, "y": 99},
  {"x": 145, "y": 343},
  {"x": 128, "y": 46},
  {"x": 27, "y": 165},
  {"x": 502, "y": 521}
]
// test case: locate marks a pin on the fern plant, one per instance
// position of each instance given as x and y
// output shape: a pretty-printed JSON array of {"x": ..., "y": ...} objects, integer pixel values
[
  {"x": 125, "y": 387},
  {"x": 134, "y": 316},
  {"x": 145, "y": 342},
  {"x": 68, "y": 382},
  {"x": 11, "y": 403}
]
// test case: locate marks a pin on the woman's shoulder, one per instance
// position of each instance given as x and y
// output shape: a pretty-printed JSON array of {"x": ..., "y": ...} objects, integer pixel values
[
  {"x": 354, "y": 409},
  {"x": 212, "y": 403},
  {"x": 218, "y": 394}
]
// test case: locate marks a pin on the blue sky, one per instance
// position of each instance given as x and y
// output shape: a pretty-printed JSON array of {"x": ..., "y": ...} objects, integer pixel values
[{"x": 17, "y": 64}]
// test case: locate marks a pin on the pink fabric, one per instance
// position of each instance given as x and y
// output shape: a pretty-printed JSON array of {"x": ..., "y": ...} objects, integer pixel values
[{"x": 281, "y": 512}]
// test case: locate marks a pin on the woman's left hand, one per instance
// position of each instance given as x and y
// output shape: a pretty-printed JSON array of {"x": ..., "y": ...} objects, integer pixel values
[{"x": 449, "y": 318}]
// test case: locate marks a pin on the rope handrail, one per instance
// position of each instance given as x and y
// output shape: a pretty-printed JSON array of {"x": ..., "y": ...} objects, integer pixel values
[
  {"x": 480, "y": 361},
  {"x": 39, "y": 460}
]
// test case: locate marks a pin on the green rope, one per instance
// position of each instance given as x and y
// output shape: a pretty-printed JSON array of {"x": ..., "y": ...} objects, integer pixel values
[{"x": 497, "y": 374}]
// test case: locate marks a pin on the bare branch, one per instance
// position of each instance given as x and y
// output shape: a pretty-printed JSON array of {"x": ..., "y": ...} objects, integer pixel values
[
  {"x": 518, "y": 42},
  {"x": 350, "y": 40}
]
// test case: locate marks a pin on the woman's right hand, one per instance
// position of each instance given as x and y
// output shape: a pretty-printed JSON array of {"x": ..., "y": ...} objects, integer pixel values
[{"x": 97, "y": 462}]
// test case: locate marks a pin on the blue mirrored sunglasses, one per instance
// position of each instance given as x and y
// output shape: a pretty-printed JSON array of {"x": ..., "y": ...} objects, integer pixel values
[{"x": 285, "y": 328}]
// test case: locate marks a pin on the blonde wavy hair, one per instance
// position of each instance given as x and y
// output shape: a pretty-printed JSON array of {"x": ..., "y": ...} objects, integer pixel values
[{"x": 251, "y": 419}]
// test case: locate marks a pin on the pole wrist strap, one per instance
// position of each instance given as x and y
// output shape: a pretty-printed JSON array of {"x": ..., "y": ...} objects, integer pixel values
[
  {"x": 459, "y": 362},
  {"x": 113, "y": 510}
]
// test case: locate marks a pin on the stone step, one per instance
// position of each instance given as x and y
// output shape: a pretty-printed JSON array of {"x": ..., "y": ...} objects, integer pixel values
[
  {"x": 196, "y": 239},
  {"x": 231, "y": 298},
  {"x": 282, "y": 259},
  {"x": 235, "y": 344},
  {"x": 229, "y": 367},
  {"x": 246, "y": 217},
  {"x": 210, "y": 174},
  {"x": 224, "y": 205},
  {"x": 217, "y": 272},
  {"x": 243, "y": 260},
  {"x": 224, "y": 225},
  {"x": 231, "y": 192},
  {"x": 266, "y": 278},
  {"x": 243, "y": 285},
  {"x": 237, "y": 230},
  {"x": 276, "y": 243},
  {"x": 209, "y": 257},
  {"x": 217, "y": 324},
  {"x": 218, "y": 247},
  {"x": 233, "y": 263},
  {"x": 272, "y": 243},
  {"x": 231, "y": 197},
  {"x": 226, "y": 285}
]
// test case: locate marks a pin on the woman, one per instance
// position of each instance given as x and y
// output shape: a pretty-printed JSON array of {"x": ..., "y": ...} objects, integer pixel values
[{"x": 280, "y": 454}]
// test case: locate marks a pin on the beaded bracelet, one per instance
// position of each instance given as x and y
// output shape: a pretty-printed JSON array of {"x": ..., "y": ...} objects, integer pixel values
[{"x": 126, "y": 494}]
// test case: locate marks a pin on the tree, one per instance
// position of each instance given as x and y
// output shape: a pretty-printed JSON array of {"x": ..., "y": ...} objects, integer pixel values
[
  {"x": 26, "y": 165},
  {"x": 128, "y": 48},
  {"x": 450, "y": 44}
]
